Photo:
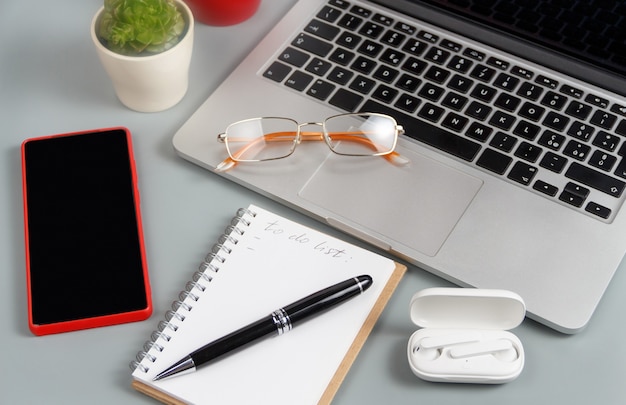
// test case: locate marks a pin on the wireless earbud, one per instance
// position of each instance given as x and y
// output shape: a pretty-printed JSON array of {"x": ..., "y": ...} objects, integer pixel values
[
  {"x": 502, "y": 349},
  {"x": 431, "y": 347}
]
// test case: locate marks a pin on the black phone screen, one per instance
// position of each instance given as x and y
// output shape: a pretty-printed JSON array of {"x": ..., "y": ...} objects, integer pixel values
[{"x": 85, "y": 253}]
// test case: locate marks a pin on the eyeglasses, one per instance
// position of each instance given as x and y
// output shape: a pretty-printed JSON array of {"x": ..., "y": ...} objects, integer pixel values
[{"x": 271, "y": 138}]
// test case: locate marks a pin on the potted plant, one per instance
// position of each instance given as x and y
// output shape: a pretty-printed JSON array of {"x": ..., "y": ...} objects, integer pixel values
[{"x": 145, "y": 47}]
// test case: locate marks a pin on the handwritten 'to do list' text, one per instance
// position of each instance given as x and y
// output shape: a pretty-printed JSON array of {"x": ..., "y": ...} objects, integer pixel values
[{"x": 323, "y": 247}]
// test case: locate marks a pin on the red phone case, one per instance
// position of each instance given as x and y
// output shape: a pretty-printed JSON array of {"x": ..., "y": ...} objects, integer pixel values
[{"x": 101, "y": 320}]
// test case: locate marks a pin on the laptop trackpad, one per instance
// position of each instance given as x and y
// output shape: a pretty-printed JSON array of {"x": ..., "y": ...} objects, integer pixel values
[{"x": 416, "y": 205}]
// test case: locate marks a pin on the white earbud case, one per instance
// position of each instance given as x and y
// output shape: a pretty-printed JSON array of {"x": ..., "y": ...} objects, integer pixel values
[{"x": 464, "y": 335}]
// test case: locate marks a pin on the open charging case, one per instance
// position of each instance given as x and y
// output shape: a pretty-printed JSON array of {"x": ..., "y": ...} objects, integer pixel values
[{"x": 464, "y": 335}]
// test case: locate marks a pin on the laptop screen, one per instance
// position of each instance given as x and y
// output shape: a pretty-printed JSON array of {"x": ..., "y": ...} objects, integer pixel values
[{"x": 591, "y": 31}]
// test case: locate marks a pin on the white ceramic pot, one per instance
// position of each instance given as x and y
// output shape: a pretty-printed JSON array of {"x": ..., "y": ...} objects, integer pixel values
[{"x": 149, "y": 83}]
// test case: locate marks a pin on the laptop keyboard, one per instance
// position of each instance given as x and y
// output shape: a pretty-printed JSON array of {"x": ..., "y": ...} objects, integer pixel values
[{"x": 560, "y": 139}]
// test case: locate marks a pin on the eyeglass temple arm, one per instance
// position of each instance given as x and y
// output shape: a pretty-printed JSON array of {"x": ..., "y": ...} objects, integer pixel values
[{"x": 230, "y": 162}]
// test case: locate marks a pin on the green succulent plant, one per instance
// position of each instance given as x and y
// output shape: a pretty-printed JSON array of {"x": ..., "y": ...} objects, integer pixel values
[{"x": 140, "y": 27}]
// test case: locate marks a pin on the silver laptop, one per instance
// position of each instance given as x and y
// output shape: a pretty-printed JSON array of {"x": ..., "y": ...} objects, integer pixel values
[{"x": 515, "y": 127}]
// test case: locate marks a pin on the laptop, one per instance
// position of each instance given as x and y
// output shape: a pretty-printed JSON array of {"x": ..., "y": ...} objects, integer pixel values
[{"x": 515, "y": 125}]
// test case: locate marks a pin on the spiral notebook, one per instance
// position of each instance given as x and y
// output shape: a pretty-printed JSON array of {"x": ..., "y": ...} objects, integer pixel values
[{"x": 263, "y": 262}]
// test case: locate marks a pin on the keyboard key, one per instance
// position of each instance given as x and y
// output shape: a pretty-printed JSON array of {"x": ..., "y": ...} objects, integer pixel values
[
  {"x": 437, "y": 55},
  {"x": 531, "y": 111},
  {"x": 478, "y": 110},
  {"x": 602, "y": 160},
  {"x": 522, "y": 72},
  {"x": 551, "y": 140},
  {"x": 597, "y": 101},
  {"x": 499, "y": 63},
  {"x": 392, "y": 57},
  {"x": 322, "y": 29},
  {"x": 350, "y": 21},
  {"x": 383, "y": 19},
  {"x": 606, "y": 141},
  {"x": 363, "y": 12},
  {"x": 502, "y": 120},
  {"x": 506, "y": 82},
  {"x": 581, "y": 131},
  {"x": 454, "y": 101},
  {"x": 348, "y": 40},
  {"x": 429, "y": 134},
  {"x": 556, "y": 121},
  {"x": 460, "y": 64},
  {"x": 483, "y": 93},
  {"x": 526, "y": 130},
  {"x": 545, "y": 81},
  {"x": 571, "y": 91},
  {"x": 298, "y": 80},
  {"x": 554, "y": 100},
  {"x": 372, "y": 30},
  {"x": 414, "y": 66},
  {"x": 431, "y": 92},
  {"x": 494, "y": 161},
  {"x": 364, "y": 65},
  {"x": 578, "y": 110},
  {"x": 454, "y": 122},
  {"x": 436, "y": 74},
  {"x": 393, "y": 38},
  {"x": 320, "y": 89},
  {"x": 318, "y": 67},
  {"x": 460, "y": 83},
  {"x": 340, "y": 75},
  {"x": 362, "y": 84},
  {"x": 577, "y": 150},
  {"x": 427, "y": 36},
  {"x": 407, "y": 103},
  {"x": 553, "y": 162},
  {"x": 294, "y": 57},
  {"x": 597, "y": 209},
  {"x": 339, "y": 3},
  {"x": 370, "y": 48},
  {"x": 329, "y": 14},
  {"x": 620, "y": 170},
  {"x": 528, "y": 152},
  {"x": 530, "y": 91},
  {"x": 507, "y": 102},
  {"x": 312, "y": 45},
  {"x": 503, "y": 141},
  {"x": 479, "y": 132},
  {"x": 603, "y": 119},
  {"x": 431, "y": 112},
  {"x": 595, "y": 179},
  {"x": 415, "y": 47},
  {"x": 341, "y": 56},
  {"x": 385, "y": 94},
  {"x": 277, "y": 72},
  {"x": 522, "y": 173},
  {"x": 406, "y": 28},
  {"x": 386, "y": 74},
  {"x": 545, "y": 188},
  {"x": 346, "y": 100},
  {"x": 483, "y": 73},
  {"x": 408, "y": 82},
  {"x": 474, "y": 54}
]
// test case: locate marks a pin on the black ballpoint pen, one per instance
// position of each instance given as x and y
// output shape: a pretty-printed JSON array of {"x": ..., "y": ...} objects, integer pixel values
[{"x": 277, "y": 323}]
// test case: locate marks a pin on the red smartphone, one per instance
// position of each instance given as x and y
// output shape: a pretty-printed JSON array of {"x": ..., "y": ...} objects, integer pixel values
[{"x": 85, "y": 255}]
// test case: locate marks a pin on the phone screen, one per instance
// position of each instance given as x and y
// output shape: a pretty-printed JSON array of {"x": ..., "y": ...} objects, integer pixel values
[{"x": 86, "y": 264}]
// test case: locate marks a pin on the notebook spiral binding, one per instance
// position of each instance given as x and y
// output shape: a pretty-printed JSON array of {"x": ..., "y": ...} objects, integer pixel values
[{"x": 193, "y": 289}]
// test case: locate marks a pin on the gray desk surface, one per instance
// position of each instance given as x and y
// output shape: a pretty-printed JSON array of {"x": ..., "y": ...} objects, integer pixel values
[{"x": 52, "y": 82}]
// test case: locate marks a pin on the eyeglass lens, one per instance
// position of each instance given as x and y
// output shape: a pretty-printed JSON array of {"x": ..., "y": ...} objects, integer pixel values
[
  {"x": 261, "y": 139},
  {"x": 361, "y": 134}
]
